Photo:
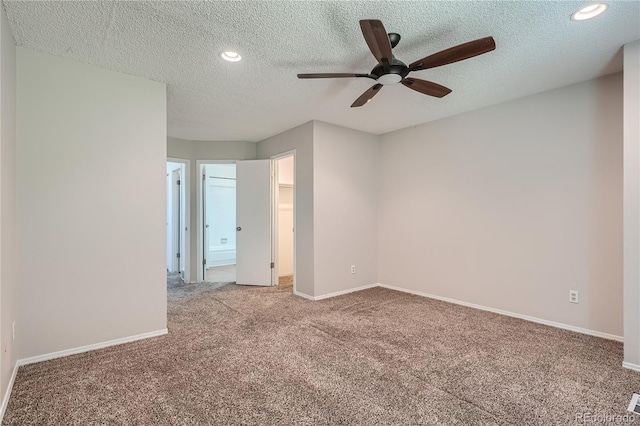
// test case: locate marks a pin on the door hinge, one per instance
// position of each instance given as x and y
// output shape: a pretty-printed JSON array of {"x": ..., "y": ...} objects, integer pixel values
[
  {"x": 178, "y": 255},
  {"x": 272, "y": 265},
  {"x": 203, "y": 178},
  {"x": 204, "y": 261},
  {"x": 178, "y": 181}
]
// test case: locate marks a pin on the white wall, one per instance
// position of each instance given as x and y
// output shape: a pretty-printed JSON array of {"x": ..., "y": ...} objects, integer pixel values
[
  {"x": 204, "y": 150},
  {"x": 91, "y": 194},
  {"x": 512, "y": 206},
  {"x": 632, "y": 204},
  {"x": 335, "y": 172},
  {"x": 8, "y": 209},
  {"x": 345, "y": 187},
  {"x": 211, "y": 150},
  {"x": 301, "y": 139}
]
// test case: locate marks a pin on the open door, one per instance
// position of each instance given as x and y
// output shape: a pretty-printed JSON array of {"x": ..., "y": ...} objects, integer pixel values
[{"x": 253, "y": 222}]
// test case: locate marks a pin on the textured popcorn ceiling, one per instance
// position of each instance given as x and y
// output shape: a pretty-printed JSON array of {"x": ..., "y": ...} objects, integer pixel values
[{"x": 178, "y": 42}]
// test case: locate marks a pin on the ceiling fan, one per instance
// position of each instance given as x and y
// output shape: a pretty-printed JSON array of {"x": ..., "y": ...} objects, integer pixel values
[{"x": 390, "y": 70}]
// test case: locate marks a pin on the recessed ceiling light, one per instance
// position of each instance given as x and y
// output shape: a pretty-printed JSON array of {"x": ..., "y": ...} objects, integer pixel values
[
  {"x": 589, "y": 12},
  {"x": 230, "y": 56}
]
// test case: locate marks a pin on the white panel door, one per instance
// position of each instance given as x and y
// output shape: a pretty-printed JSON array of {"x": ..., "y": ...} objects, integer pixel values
[{"x": 253, "y": 222}]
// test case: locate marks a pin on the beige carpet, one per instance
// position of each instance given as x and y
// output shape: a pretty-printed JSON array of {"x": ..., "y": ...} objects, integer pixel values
[
  {"x": 285, "y": 282},
  {"x": 261, "y": 356}
]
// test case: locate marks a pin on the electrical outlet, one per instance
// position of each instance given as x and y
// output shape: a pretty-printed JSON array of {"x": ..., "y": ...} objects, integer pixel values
[
  {"x": 573, "y": 296},
  {"x": 353, "y": 269},
  {"x": 13, "y": 330}
]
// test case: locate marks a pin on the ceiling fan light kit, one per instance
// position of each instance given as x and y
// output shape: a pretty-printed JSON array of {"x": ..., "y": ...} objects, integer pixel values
[{"x": 390, "y": 70}]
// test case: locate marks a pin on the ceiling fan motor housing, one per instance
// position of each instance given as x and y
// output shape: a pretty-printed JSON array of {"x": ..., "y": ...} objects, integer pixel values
[
  {"x": 394, "y": 39},
  {"x": 397, "y": 71}
]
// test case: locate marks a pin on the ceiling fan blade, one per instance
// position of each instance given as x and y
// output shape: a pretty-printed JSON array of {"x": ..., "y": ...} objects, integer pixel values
[
  {"x": 366, "y": 96},
  {"x": 426, "y": 87},
  {"x": 377, "y": 39},
  {"x": 455, "y": 54},
  {"x": 332, "y": 75}
]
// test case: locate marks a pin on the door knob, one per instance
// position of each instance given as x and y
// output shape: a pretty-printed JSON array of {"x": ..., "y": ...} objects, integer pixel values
[{"x": 239, "y": 228}]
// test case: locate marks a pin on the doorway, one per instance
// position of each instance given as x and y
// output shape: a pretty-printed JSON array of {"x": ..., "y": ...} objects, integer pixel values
[
  {"x": 239, "y": 218},
  {"x": 177, "y": 219},
  {"x": 284, "y": 221},
  {"x": 218, "y": 222}
]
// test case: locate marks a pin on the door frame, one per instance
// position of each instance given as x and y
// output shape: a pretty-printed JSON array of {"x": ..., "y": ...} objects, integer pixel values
[
  {"x": 185, "y": 196},
  {"x": 177, "y": 235},
  {"x": 275, "y": 216},
  {"x": 199, "y": 217}
]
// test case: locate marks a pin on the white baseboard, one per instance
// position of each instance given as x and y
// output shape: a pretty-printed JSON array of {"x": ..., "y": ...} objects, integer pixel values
[
  {"x": 87, "y": 348},
  {"x": 306, "y": 296},
  {"x": 630, "y": 366},
  {"x": 347, "y": 291},
  {"x": 336, "y": 293},
  {"x": 7, "y": 394},
  {"x": 510, "y": 314}
]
